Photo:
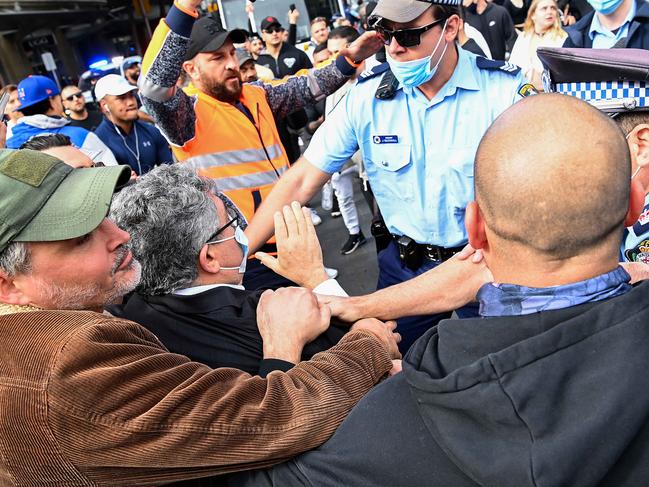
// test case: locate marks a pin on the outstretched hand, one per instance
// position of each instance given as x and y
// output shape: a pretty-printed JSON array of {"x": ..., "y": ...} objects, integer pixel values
[{"x": 299, "y": 255}]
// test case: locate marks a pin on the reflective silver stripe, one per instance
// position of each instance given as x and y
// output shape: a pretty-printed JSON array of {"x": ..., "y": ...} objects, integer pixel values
[
  {"x": 246, "y": 181},
  {"x": 243, "y": 156}
]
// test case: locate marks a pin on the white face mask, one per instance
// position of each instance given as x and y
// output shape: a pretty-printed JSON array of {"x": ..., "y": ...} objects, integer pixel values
[
  {"x": 418, "y": 71},
  {"x": 242, "y": 239}
]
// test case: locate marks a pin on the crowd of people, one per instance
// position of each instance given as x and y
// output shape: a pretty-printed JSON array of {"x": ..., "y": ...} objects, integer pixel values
[{"x": 166, "y": 313}]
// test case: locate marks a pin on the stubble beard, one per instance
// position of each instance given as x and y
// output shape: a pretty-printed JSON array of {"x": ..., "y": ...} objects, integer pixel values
[
  {"x": 220, "y": 91},
  {"x": 71, "y": 296}
]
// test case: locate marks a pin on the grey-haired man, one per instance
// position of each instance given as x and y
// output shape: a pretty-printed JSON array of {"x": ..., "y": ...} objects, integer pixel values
[{"x": 87, "y": 399}]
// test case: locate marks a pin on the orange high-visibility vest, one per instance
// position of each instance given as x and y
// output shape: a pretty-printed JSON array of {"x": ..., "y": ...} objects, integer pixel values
[{"x": 244, "y": 159}]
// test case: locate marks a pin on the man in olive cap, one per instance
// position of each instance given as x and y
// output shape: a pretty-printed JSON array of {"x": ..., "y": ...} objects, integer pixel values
[{"x": 88, "y": 399}]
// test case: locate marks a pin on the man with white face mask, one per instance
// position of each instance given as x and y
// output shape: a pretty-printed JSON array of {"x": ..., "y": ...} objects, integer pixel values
[
  {"x": 613, "y": 23},
  {"x": 418, "y": 131},
  {"x": 189, "y": 240}
]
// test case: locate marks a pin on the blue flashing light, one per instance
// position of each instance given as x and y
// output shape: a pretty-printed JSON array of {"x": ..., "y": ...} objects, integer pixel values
[{"x": 98, "y": 64}]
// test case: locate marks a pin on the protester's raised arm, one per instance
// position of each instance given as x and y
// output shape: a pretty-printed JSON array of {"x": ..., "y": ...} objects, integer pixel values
[
  {"x": 312, "y": 85},
  {"x": 171, "y": 108}
]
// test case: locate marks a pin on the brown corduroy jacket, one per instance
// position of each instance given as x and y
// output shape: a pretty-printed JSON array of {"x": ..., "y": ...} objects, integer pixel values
[{"x": 87, "y": 399}]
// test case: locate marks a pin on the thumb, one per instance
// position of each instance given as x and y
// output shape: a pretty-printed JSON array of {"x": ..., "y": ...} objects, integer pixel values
[
  {"x": 268, "y": 260},
  {"x": 325, "y": 316}
]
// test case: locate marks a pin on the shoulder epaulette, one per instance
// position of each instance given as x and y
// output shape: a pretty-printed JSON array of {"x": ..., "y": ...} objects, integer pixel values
[
  {"x": 494, "y": 64},
  {"x": 375, "y": 71}
]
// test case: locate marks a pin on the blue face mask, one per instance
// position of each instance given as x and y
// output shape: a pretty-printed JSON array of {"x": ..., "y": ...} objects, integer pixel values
[
  {"x": 419, "y": 71},
  {"x": 242, "y": 239},
  {"x": 605, "y": 7}
]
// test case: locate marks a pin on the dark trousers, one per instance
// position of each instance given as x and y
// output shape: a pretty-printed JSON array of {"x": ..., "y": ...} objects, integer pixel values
[{"x": 393, "y": 271}]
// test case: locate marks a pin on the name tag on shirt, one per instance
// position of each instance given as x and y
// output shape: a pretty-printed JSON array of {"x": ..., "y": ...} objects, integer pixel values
[{"x": 385, "y": 139}]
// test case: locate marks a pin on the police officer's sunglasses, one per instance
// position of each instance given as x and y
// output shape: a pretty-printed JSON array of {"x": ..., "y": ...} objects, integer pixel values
[{"x": 405, "y": 37}]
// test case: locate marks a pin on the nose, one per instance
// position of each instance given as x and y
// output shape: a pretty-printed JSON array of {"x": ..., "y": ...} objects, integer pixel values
[
  {"x": 232, "y": 63},
  {"x": 115, "y": 236},
  {"x": 394, "y": 47}
]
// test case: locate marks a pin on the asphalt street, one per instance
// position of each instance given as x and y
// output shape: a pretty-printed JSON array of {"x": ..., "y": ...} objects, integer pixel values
[{"x": 358, "y": 271}]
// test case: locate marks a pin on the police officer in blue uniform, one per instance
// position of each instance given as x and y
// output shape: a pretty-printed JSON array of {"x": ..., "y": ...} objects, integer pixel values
[
  {"x": 418, "y": 120},
  {"x": 614, "y": 81}
]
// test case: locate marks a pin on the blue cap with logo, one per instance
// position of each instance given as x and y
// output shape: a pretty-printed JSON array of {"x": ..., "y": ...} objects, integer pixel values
[
  {"x": 34, "y": 89},
  {"x": 612, "y": 80}
]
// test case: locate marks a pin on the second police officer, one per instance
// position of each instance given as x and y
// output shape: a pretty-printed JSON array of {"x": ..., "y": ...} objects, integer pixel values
[{"x": 418, "y": 120}]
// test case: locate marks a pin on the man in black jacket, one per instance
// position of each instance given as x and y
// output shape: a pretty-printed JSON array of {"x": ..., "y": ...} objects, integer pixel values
[
  {"x": 623, "y": 23},
  {"x": 283, "y": 59},
  {"x": 549, "y": 387},
  {"x": 190, "y": 295},
  {"x": 495, "y": 24}
]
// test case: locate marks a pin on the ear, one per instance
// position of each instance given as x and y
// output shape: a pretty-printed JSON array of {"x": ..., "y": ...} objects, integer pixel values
[
  {"x": 207, "y": 260},
  {"x": 475, "y": 226},
  {"x": 191, "y": 69},
  {"x": 639, "y": 144},
  {"x": 10, "y": 293},
  {"x": 636, "y": 203},
  {"x": 452, "y": 28},
  {"x": 103, "y": 106}
]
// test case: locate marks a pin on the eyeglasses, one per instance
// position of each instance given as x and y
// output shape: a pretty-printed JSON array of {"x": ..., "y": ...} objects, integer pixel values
[
  {"x": 274, "y": 30},
  {"x": 234, "y": 222},
  {"x": 406, "y": 37},
  {"x": 74, "y": 95}
]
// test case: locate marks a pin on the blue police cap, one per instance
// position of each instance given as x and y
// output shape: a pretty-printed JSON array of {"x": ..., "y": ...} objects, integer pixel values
[{"x": 612, "y": 80}]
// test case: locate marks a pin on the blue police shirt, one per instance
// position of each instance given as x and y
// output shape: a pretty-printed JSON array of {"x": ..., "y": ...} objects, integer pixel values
[
  {"x": 154, "y": 149},
  {"x": 605, "y": 39},
  {"x": 419, "y": 153},
  {"x": 636, "y": 238}
]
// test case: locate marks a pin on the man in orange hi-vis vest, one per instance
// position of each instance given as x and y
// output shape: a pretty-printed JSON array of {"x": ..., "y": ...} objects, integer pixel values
[{"x": 221, "y": 127}]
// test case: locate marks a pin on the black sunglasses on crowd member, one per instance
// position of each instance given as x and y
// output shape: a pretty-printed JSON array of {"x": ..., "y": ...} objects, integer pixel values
[
  {"x": 405, "y": 37},
  {"x": 273, "y": 30},
  {"x": 74, "y": 95}
]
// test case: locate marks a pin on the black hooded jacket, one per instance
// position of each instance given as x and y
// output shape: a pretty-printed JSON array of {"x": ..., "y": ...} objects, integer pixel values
[{"x": 557, "y": 398}]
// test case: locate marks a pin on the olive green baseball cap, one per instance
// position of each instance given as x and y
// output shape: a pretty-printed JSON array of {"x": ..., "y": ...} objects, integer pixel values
[{"x": 42, "y": 199}]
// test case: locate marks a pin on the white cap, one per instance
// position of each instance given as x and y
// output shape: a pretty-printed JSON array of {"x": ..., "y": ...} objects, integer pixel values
[{"x": 112, "y": 84}]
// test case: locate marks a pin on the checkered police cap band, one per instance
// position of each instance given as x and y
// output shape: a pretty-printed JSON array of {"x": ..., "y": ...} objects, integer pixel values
[
  {"x": 442, "y": 2},
  {"x": 608, "y": 96}
]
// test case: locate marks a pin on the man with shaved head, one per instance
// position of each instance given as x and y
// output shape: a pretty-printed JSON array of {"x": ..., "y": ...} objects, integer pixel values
[{"x": 549, "y": 386}]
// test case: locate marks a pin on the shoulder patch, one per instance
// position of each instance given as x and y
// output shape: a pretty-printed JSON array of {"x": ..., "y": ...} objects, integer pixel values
[
  {"x": 496, "y": 65},
  {"x": 527, "y": 89},
  {"x": 381, "y": 68}
]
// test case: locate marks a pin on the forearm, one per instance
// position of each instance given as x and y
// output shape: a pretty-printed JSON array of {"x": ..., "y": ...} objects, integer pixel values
[
  {"x": 444, "y": 288},
  {"x": 299, "y": 183},
  {"x": 307, "y": 87},
  {"x": 171, "y": 109},
  {"x": 226, "y": 419}
]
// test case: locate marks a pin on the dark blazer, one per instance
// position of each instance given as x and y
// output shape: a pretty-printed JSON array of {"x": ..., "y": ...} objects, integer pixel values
[
  {"x": 637, "y": 38},
  {"x": 217, "y": 327}
]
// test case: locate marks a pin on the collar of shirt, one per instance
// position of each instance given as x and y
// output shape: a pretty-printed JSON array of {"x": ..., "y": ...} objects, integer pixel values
[
  {"x": 513, "y": 300},
  {"x": 596, "y": 28},
  {"x": 190, "y": 291},
  {"x": 463, "y": 77}
]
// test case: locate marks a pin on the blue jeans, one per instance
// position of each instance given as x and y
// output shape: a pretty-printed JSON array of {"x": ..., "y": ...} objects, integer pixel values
[{"x": 393, "y": 271}]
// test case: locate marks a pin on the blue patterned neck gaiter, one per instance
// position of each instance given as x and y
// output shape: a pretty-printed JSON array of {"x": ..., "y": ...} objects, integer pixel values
[{"x": 513, "y": 300}]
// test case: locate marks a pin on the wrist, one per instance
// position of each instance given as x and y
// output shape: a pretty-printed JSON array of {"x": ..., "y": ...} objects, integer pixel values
[
  {"x": 316, "y": 279},
  {"x": 287, "y": 352}
]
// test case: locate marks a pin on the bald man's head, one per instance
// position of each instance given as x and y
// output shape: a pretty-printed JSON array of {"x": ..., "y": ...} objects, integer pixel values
[{"x": 552, "y": 174}]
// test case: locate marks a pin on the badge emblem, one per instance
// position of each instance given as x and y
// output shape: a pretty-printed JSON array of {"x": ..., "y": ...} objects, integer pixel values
[
  {"x": 289, "y": 61},
  {"x": 640, "y": 253}
]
